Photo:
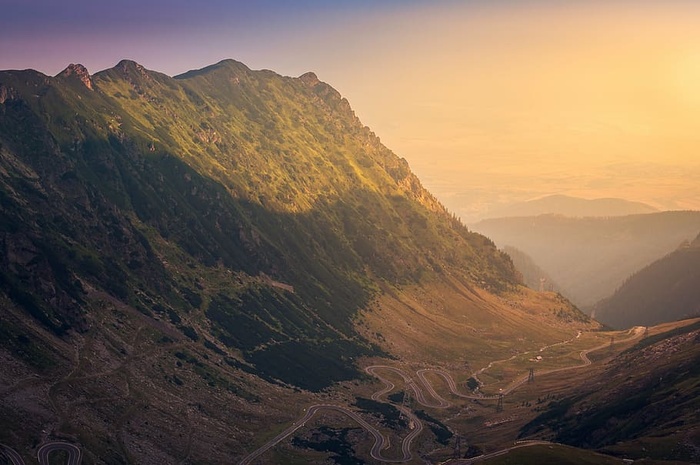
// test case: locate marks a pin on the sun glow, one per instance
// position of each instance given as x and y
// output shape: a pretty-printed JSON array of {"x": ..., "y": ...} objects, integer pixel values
[
  {"x": 540, "y": 97},
  {"x": 686, "y": 78}
]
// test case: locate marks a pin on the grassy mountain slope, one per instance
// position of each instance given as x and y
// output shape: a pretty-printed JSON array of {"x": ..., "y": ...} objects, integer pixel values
[
  {"x": 644, "y": 404},
  {"x": 590, "y": 257},
  {"x": 189, "y": 261},
  {"x": 134, "y": 183},
  {"x": 666, "y": 290}
]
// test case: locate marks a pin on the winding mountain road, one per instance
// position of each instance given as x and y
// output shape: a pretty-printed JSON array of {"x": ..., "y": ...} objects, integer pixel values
[
  {"x": 11, "y": 455},
  {"x": 75, "y": 455},
  {"x": 635, "y": 333},
  {"x": 381, "y": 443}
]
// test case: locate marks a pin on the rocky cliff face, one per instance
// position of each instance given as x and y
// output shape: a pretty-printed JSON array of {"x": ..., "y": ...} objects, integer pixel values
[{"x": 79, "y": 72}]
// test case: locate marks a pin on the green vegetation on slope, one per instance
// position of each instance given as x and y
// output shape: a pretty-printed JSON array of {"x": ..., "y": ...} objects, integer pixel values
[{"x": 242, "y": 206}]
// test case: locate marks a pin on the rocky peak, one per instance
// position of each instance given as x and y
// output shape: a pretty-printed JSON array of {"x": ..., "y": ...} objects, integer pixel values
[
  {"x": 310, "y": 79},
  {"x": 130, "y": 68},
  {"x": 78, "y": 71},
  {"x": 126, "y": 65}
]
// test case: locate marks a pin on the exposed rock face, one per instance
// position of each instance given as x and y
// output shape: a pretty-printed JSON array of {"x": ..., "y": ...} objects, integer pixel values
[
  {"x": 80, "y": 72},
  {"x": 310, "y": 79},
  {"x": 131, "y": 68}
]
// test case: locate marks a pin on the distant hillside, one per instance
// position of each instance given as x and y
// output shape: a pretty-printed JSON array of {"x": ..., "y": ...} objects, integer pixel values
[
  {"x": 534, "y": 277},
  {"x": 666, "y": 290},
  {"x": 643, "y": 405},
  {"x": 591, "y": 257},
  {"x": 573, "y": 207}
]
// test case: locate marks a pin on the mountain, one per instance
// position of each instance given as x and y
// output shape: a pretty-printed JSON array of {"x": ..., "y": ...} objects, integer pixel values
[
  {"x": 573, "y": 207},
  {"x": 589, "y": 258},
  {"x": 120, "y": 180},
  {"x": 188, "y": 263},
  {"x": 534, "y": 277},
  {"x": 642, "y": 405},
  {"x": 666, "y": 290}
]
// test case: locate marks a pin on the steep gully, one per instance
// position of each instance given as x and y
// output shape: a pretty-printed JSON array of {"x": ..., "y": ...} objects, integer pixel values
[{"x": 381, "y": 443}]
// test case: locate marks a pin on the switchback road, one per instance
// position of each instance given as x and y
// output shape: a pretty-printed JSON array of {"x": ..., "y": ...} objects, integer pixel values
[
  {"x": 437, "y": 401},
  {"x": 75, "y": 455},
  {"x": 11, "y": 455},
  {"x": 380, "y": 442},
  {"x": 635, "y": 333}
]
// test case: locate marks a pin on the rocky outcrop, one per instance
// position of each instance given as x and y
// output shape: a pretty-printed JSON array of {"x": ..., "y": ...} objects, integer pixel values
[
  {"x": 77, "y": 71},
  {"x": 310, "y": 79},
  {"x": 3, "y": 94}
]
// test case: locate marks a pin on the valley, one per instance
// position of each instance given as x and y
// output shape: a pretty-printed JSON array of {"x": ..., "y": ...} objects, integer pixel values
[
  {"x": 424, "y": 386},
  {"x": 227, "y": 266},
  {"x": 496, "y": 426},
  {"x": 606, "y": 251}
]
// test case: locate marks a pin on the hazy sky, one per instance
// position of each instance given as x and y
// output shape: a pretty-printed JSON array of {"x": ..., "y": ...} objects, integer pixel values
[{"x": 489, "y": 101}]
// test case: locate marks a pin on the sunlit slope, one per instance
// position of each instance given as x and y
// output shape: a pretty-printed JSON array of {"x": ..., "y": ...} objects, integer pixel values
[
  {"x": 245, "y": 207},
  {"x": 231, "y": 244}
]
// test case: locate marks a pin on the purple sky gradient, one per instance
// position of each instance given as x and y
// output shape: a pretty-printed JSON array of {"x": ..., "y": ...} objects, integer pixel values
[{"x": 169, "y": 36}]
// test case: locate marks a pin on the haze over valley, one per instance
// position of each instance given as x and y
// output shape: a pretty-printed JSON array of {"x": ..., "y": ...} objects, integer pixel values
[
  {"x": 349, "y": 233},
  {"x": 589, "y": 258}
]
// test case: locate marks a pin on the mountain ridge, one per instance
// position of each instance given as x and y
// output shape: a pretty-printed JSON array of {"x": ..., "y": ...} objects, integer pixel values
[
  {"x": 560, "y": 204},
  {"x": 208, "y": 255},
  {"x": 663, "y": 291},
  {"x": 186, "y": 165}
]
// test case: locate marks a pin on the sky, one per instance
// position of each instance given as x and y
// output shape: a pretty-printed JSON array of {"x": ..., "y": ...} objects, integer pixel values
[{"x": 491, "y": 102}]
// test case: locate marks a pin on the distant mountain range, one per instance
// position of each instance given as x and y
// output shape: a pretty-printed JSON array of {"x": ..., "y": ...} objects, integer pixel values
[
  {"x": 589, "y": 258},
  {"x": 572, "y": 207},
  {"x": 666, "y": 290}
]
